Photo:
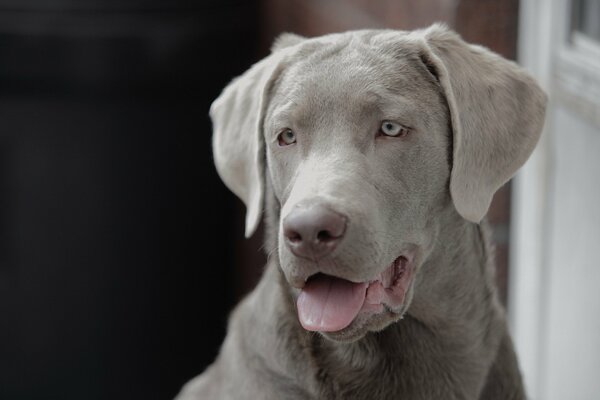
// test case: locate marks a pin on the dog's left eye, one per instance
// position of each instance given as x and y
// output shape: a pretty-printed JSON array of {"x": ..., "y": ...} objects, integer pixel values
[
  {"x": 393, "y": 129},
  {"x": 286, "y": 137}
]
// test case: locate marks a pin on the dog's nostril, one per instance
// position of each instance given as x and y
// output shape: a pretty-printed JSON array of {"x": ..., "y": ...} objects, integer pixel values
[
  {"x": 325, "y": 236},
  {"x": 294, "y": 237}
]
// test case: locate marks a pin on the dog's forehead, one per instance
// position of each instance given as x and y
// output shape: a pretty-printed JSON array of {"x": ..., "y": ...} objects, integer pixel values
[{"x": 350, "y": 74}]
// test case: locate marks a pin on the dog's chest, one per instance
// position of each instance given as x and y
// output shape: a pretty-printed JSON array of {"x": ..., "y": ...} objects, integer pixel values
[{"x": 391, "y": 365}]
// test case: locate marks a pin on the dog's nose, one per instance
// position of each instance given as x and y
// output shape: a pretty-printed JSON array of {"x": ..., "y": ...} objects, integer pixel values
[{"x": 313, "y": 231}]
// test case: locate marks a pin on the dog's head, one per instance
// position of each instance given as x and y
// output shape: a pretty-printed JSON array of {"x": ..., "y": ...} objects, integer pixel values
[{"x": 366, "y": 137}]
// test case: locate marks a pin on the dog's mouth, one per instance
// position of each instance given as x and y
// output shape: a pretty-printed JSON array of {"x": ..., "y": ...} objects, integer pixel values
[{"x": 330, "y": 304}]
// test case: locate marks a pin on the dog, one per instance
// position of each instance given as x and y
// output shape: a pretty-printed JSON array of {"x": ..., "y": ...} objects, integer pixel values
[{"x": 375, "y": 155}]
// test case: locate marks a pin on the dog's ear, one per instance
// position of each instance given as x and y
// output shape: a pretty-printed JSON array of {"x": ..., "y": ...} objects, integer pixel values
[
  {"x": 497, "y": 114},
  {"x": 238, "y": 147}
]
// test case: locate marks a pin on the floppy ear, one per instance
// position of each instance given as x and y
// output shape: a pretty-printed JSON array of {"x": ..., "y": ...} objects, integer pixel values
[
  {"x": 238, "y": 147},
  {"x": 497, "y": 113}
]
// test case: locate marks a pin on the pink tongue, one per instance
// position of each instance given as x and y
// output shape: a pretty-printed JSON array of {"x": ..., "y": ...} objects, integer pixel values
[{"x": 328, "y": 304}]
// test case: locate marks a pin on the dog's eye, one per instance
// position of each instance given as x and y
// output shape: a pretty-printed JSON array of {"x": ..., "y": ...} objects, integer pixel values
[
  {"x": 389, "y": 128},
  {"x": 286, "y": 137}
]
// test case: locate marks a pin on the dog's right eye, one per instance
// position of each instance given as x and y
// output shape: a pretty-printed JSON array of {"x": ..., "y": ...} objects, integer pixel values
[
  {"x": 392, "y": 129},
  {"x": 286, "y": 137}
]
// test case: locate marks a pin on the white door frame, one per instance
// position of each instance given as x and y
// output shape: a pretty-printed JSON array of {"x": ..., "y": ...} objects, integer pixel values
[
  {"x": 529, "y": 209},
  {"x": 543, "y": 49}
]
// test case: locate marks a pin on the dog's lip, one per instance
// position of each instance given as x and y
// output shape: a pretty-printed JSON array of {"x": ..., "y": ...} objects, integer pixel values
[
  {"x": 395, "y": 281},
  {"x": 383, "y": 276},
  {"x": 393, "y": 272}
]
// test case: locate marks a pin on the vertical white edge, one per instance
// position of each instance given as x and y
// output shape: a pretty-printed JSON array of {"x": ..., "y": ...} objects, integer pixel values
[
  {"x": 530, "y": 203},
  {"x": 526, "y": 269}
]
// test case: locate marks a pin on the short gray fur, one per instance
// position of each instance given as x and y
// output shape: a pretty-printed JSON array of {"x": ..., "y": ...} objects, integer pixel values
[{"x": 475, "y": 118}]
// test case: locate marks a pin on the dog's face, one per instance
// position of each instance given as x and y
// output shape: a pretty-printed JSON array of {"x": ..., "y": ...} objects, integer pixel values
[
  {"x": 357, "y": 139},
  {"x": 366, "y": 138}
]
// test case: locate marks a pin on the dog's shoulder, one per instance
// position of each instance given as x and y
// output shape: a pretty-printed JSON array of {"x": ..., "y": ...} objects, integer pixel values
[{"x": 260, "y": 358}]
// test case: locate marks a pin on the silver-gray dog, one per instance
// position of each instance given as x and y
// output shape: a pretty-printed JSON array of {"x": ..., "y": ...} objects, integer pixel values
[{"x": 375, "y": 155}]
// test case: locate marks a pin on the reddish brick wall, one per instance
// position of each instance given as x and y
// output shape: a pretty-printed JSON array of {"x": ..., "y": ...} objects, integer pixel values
[{"x": 492, "y": 23}]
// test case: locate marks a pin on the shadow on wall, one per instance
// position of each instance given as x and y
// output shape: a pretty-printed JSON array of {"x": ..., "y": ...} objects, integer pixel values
[{"x": 115, "y": 232}]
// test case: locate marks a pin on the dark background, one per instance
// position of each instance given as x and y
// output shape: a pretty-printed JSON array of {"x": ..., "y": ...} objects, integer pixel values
[
  {"x": 121, "y": 252},
  {"x": 115, "y": 231}
]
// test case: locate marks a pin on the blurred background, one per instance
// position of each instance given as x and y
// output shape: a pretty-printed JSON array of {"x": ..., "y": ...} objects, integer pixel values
[{"x": 122, "y": 253}]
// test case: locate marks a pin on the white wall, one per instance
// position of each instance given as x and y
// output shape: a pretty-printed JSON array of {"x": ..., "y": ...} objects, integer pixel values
[{"x": 572, "y": 307}]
